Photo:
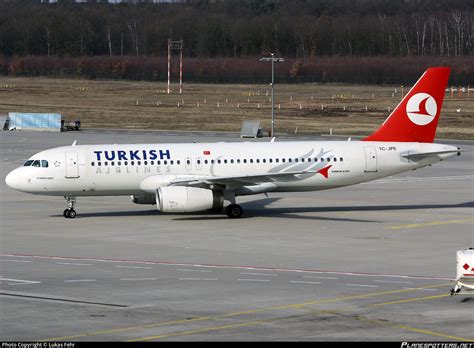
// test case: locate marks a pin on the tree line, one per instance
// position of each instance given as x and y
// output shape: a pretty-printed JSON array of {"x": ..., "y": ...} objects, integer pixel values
[{"x": 298, "y": 30}]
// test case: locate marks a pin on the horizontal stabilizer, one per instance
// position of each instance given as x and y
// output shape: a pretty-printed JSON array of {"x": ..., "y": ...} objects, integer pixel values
[{"x": 417, "y": 156}]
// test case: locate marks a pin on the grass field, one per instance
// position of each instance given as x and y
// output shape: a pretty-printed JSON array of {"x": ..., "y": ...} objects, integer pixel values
[{"x": 302, "y": 108}]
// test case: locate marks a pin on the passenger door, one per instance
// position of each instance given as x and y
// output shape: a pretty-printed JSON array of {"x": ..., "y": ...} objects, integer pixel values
[{"x": 72, "y": 164}]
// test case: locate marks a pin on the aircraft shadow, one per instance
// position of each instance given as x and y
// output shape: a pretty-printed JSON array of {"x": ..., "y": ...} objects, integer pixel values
[
  {"x": 258, "y": 208},
  {"x": 253, "y": 210}
]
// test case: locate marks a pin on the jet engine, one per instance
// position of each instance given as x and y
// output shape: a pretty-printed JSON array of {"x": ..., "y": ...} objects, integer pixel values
[
  {"x": 143, "y": 199},
  {"x": 183, "y": 199}
]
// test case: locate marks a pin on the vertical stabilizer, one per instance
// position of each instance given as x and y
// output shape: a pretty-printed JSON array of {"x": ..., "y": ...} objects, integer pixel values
[{"x": 416, "y": 117}]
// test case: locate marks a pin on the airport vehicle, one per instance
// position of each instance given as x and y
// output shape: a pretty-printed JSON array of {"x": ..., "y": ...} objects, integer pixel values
[
  {"x": 464, "y": 273},
  {"x": 181, "y": 178}
]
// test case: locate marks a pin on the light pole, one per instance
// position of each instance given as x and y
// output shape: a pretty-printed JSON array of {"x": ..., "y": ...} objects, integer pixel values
[{"x": 272, "y": 59}]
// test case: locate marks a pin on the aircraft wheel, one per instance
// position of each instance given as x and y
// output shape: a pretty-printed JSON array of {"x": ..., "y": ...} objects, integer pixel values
[
  {"x": 234, "y": 211},
  {"x": 72, "y": 214},
  {"x": 66, "y": 213}
]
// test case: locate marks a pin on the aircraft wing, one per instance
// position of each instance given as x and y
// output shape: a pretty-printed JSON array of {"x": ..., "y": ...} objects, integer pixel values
[{"x": 237, "y": 181}]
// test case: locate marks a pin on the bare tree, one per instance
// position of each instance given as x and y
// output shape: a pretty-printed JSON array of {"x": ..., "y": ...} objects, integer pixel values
[
  {"x": 457, "y": 17},
  {"x": 440, "y": 34},
  {"x": 109, "y": 40},
  {"x": 47, "y": 36},
  {"x": 423, "y": 35},
  {"x": 132, "y": 27}
]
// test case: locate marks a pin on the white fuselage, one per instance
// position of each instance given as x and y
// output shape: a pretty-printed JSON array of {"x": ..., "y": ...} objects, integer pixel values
[{"x": 137, "y": 169}]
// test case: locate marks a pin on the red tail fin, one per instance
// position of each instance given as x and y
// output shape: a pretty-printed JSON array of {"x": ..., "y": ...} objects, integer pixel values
[{"x": 416, "y": 117}]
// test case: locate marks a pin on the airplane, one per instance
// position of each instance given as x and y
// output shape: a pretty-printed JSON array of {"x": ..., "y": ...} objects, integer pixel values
[{"x": 183, "y": 178}]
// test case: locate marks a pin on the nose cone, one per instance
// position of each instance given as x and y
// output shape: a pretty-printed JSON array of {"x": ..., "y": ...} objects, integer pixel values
[{"x": 12, "y": 180}]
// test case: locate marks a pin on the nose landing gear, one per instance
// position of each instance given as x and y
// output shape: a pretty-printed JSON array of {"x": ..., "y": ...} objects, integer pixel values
[{"x": 70, "y": 213}]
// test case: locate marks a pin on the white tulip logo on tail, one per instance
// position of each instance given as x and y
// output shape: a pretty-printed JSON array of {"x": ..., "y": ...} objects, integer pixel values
[{"x": 421, "y": 109}]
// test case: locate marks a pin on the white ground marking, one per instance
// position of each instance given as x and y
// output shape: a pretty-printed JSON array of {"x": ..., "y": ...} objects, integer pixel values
[
  {"x": 253, "y": 280},
  {"x": 392, "y": 281},
  {"x": 73, "y": 264},
  {"x": 364, "y": 285},
  {"x": 259, "y": 274},
  {"x": 303, "y": 282}
]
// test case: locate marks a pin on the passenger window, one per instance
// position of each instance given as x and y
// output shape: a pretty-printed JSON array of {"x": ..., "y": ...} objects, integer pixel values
[
  {"x": 251, "y": 160},
  {"x": 219, "y": 161},
  {"x": 92, "y": 164},
  {"x": 258, "y": 160},
  {"x": 178, "y": 162},
  {"x": 125, "y": 163},
  {"x": 145, "y": 163},
  {"x": 329, "y": 160},
  {"x": 315, "y": 159},
  {"x": 322, "y": 159},
  {"x": 106, "y": 164},
  {"x": 245, "y": 160},
  {"x": 119, "y": 163},
  {"x": 99, "y": 164},
  {"x": 112, "y": 163},
  {"x": 277, "y": 160},
  {"x": 232, "y": 161},
  {"x": 264, "y": 160},
  {"x": 283, "y": 160},
  {"x": 335, "y": 159},
  {"x": 340, "y": 159},
  {"x": 44, "y": 164}
]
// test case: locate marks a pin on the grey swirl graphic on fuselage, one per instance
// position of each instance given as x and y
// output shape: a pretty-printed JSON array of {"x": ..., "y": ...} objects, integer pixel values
[
  {"x": 295, "y": 166},
  {"x": 304, "y": 166}
]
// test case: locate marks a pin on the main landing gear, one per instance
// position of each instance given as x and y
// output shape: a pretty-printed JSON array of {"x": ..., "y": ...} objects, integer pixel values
[
  {"x": 70, "y": 213},
  {"x": 234, "y": 211}
]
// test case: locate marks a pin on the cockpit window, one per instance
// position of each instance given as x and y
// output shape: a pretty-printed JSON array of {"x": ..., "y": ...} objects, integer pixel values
[
  {"x": 44, "y": 164},
  {"x": 36, "y": 163},
  {"x": 28, "y": 163}
]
